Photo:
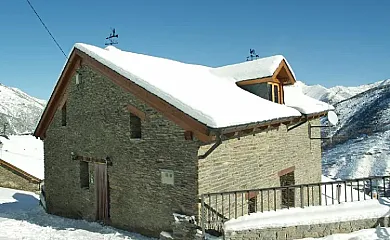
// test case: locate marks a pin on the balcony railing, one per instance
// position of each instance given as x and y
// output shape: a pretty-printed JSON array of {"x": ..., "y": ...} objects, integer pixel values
[{"x": 217, "y": 208}]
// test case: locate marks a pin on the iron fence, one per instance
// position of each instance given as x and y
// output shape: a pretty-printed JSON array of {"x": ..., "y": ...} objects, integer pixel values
[{"x": 217, "y": 208}]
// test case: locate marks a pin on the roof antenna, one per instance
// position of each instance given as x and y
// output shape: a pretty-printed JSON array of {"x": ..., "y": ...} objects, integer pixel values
[
  {"x": 111, "y": 40},
  {"x": 252, "y": 55}
]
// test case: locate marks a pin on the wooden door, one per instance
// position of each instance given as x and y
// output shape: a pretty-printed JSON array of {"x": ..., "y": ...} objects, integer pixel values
[{"x": 102, "y": 198}]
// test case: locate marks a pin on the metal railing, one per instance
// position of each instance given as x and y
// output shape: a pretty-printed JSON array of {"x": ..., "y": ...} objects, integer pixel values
[{"x": 217, "y": 208}]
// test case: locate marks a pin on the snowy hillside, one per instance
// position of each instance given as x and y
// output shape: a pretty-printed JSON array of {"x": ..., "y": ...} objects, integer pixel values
[
  {"x": 18, "y": 110},
  {"x": 359, "y": 145},
  {"x": 338, "y": 93}
]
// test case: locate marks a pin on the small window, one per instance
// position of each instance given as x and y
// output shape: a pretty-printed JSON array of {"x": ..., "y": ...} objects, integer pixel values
[
  {"x": 78, "y": 77},
  {"x": 84, "y": 174},
  {"x": 63, "y": 115},
  {"x": 276, "y": 93},
  {"x": 135, "y": 126}
]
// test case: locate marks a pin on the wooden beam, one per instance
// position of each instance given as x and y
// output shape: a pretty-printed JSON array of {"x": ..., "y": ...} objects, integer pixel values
[
  {"x": 286, "y": 171},
  {"x": 136, "y": 112},
  {"x": 283, "y": 65},
  {"x": 257, "y": 80}
]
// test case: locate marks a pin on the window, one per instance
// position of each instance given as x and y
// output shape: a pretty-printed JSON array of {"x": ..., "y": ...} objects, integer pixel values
[
  {"x": 135, "y": 127},
  {"x": 63, "y": 115},
  {"x": 288, "y": 194},
  {"x": 84, "y": 174},
  {"x": 273, "y": 92},
  {"x": 267, "y": 90}
]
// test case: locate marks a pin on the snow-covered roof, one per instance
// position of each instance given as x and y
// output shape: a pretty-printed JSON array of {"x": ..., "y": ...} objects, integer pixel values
[
  {"x": 215, "y": 101},
  {"x": 207, "y": 94},
  {"x": 260, "y": 68},
  {"x": 24, "y": 152}
]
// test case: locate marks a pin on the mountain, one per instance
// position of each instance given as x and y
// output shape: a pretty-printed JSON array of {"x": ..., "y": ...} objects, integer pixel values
[
  {"x": 338, "y": 93},
  {"x": 19, "y": 112},
  {"x": 359, "y": 143}
]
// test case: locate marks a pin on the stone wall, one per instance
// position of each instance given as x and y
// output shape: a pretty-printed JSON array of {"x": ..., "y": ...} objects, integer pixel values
[
  {"x": 254, "y": 162},
  {"x": 11, "y": 179},
  {"x": 305, "y": 231},
  {"x": 98, "y": 126}
]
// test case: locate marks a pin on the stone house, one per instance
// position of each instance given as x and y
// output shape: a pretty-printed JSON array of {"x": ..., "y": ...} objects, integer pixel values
[
  {"x": 130, "y": 139},
  {"x": 21, "y": 163}
]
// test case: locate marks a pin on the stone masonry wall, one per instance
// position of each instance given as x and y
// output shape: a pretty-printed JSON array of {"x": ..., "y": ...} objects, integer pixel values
[
  {"x": 9, "y": 179},
  {"x": 98, "y": 126},
  {"x": 253, "y": 162},
  {"x": 309, "y": 231}
]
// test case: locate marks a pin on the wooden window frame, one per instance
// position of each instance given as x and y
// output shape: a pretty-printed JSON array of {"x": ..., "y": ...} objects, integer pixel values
[{"x": 280, "y": 89}]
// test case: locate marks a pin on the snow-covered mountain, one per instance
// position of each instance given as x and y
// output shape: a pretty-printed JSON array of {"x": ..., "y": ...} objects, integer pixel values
[
  {"x": 19, "y": 111},
  {"x": 359, "y": 144},
  {"x": 338, "y": 93}
]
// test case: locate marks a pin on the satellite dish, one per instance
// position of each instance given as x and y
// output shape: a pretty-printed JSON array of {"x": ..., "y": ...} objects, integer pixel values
[{"x": 332, "y": 118}]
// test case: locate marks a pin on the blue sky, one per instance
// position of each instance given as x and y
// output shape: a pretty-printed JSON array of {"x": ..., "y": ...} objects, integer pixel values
[{"x": 331, "y": 42}]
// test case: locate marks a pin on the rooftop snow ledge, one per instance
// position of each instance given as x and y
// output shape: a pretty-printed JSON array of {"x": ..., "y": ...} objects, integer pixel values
[
  {"x": 294, "y": 98},
  {"x": 213, "y": 100}
]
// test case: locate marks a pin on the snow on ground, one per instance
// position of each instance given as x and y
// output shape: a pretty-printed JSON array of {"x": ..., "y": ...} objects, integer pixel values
[
  {"x": 361, "y": 157},
  {"x": 312, "y": 215},
  {"x": 22, "y": 218},
  {"x": 378, "y": 233},
  {"x": 24, "y": 152}
]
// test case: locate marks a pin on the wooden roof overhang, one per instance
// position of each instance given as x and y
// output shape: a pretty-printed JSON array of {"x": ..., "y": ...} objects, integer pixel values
[
  {"x": 281, "y": 75},
  {"x": 253, "y": 128},
  {"x": 20, "y": 172},
  {"x": 76, "y": 59}
]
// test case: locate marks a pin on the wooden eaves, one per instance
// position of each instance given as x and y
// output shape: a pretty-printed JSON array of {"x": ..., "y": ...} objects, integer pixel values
[{"x": 254, "y": 128}]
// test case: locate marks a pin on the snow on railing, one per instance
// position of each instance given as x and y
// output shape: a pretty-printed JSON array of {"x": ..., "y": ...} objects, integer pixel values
[{"x": 217, "y": 208}]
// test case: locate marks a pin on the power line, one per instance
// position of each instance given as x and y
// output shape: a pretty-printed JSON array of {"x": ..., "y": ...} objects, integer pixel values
[{"x": 58, "y": 45}]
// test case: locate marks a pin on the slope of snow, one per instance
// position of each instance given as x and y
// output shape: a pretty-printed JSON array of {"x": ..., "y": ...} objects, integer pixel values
[
  {"x": 18, "y": 110},
  {"x": 359, "y": 157},
  {"x": 260, "y": 68},
  {"x": 24, "y": 152},
  {"x": 191, "y": 88},
  {"x": 22, "y": 218},
  {"x": 379, "y": 233}
]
